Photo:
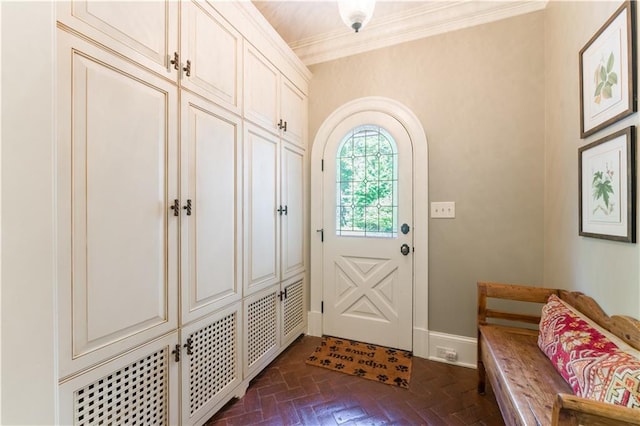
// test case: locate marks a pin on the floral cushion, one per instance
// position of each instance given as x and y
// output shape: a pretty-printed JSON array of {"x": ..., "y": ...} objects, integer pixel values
[{"x": 595, "y": 364}]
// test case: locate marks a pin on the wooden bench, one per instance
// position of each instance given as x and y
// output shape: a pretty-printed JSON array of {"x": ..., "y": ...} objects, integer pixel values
[{"x": 528, "y": 389}]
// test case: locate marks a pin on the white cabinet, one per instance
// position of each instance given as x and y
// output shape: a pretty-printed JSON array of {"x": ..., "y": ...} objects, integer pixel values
[
  {"x": 271, "y": 100},
  {"x": 115, "y": 184},
  {"x": 181, "y": 240},
  {"x": 146, "y": 31},
  {"x": 274, "y": 210},
  {"x": 208, "y": 61},
  {"x": 293, "y": 110},
  {"x": 211, "y": 217},
  {"x": 274, "y": 302},
  {"x": 262, "y": 219},
  {"x": 293, "y": 224},
  {"x": 211, "y": 55},
  {"x": 274, "y": 318},
  {"x": 211, "y": 362}
]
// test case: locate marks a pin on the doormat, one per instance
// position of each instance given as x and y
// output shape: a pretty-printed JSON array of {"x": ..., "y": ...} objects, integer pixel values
[{"x": 379, "y": 363}]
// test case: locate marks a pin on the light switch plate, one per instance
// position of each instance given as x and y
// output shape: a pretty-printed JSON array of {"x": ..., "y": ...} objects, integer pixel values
[{"x": 443, "y": 210}]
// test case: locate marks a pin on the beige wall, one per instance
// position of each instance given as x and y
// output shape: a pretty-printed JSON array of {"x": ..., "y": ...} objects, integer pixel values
[
  {"x": 605, "y": 270},
  {"x": 479, "y": 94}
]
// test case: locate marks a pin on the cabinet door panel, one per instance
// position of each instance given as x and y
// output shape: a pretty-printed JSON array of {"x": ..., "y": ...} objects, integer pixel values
[
  {"x": 211, "y": 235},
  {"x": 293, "y": 223},
  {"x": 294, "y": 311},
  {"x": 213, "y": 370},
  {"x": 262, "y": 329},
  {"x": 261, "y": 94},
  {"x": 293, "y": 109},
  {"x": 117, "y": 152},
  {"x": 214, "y": 49},
  {"x": 263, "y": 220},
  {"x": 140, "y": 387},
  {"x": 147, "y": 32}
]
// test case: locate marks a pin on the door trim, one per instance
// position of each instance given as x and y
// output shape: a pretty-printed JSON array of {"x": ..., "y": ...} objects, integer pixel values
[{"x": 420, "y": 212}]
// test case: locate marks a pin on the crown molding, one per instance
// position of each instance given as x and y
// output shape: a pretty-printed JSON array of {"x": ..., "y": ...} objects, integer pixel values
[{"x": 424, "y": 21}]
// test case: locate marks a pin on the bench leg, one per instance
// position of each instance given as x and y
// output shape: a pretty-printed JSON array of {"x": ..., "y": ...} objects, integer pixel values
[
  {"x": 481, "y": 378},
  {"x": 482, "y": 375}
]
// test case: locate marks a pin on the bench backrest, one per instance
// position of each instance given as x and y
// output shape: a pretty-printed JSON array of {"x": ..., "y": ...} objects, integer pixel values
[{"x": 625, "y": 327}]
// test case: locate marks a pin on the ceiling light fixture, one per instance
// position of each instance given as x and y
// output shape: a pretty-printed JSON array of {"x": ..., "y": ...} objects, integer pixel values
[{"x": 356, "y": 13}]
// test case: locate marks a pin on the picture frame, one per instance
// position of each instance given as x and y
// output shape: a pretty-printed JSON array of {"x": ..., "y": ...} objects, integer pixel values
[
  {"x": 608, "y": 72},
  {"x": 607, "y": 187}
]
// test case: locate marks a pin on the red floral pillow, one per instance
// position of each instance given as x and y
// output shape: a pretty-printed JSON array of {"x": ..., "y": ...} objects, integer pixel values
[{"x": 594, "y": 366}]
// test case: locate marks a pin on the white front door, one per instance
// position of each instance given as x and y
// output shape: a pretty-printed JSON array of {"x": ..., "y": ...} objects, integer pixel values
[{"x": 367, "y": 229}]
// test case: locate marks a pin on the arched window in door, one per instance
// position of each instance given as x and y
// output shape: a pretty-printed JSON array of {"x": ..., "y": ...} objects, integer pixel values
[{"x": 367, "y": 184}]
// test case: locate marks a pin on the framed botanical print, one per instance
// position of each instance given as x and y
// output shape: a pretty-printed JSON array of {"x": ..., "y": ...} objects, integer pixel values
[
  {"x": 607, "y": 73},
  {"x": 607, "y": 187}
]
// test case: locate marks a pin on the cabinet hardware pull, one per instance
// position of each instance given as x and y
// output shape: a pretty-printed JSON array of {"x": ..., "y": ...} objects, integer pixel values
[
  {"x": 285, "y": 210},
  {"x": 175, "y": 61},
  {"x": 188, "y": 207},
  {"x": 175, "y": 207},
  {"x": 187, "y": 69},
  {"x": 176, "y": 353},
  {"x": 280, "y": 124},
  {"x": 285, "y": 126},
  {"x": 282, "y": 295},
  {"x": 188, "y": 346},
  {"x": 279, "y": 210}
]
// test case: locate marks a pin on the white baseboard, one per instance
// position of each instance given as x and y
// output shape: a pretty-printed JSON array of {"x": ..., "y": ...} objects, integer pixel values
[{"x": 465, "y": 348}]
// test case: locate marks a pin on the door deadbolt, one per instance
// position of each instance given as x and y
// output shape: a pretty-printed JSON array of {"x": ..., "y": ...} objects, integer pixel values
[{"x": 404, "y": 249}]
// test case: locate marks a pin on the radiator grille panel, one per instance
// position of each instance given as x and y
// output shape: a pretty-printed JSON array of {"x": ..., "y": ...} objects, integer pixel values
[
  {"x": 213, "y": 364},
  {"x": 293, "y": 308},
  {"x": 137, "y": 394},
  {"x": 261, "y": 324}
]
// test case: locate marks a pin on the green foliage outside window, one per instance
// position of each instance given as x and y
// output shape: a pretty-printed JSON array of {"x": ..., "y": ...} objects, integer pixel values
[{"x": 367, "y": 183}]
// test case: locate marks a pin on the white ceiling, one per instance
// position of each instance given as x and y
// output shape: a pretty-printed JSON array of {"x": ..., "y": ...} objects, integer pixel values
[{"x": 316, "y": 33}]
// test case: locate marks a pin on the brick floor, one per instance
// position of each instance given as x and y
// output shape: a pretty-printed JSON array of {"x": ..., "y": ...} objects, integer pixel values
[{"x": 290, "y": 392}]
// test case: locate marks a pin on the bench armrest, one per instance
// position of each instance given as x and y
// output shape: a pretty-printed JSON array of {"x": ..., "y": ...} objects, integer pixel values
[{"x": 574, "y": 410}]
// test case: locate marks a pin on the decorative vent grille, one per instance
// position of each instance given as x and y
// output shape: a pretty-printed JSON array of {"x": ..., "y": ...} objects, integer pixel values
[
  {"x": 213, "y": 364},
  {"x": 261, "y": 325},
  {"x": 293, "y": 308},
  {"x": 137, "y": 394}
]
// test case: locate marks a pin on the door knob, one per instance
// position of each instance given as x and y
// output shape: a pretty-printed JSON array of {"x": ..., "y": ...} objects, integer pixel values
[
  {"x": 405, "y": 228},
  {"x": 404, "y": 249}
]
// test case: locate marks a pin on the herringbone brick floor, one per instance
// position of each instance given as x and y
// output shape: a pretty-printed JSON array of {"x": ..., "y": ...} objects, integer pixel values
[{"x": 290, "y": 392}]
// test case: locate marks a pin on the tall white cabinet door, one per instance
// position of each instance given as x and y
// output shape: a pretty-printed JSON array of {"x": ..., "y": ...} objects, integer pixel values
[
  {"x": 261, "y": 92},
  {"x": 145, "y": 31},
  {"x": 211, "y": 214},
  {"x": 262, "y": 209},
  {"x": 116, "y": 180},
  {"x": 293, "y": 219},
  {"x": 211, "y": 55},
  {"x": 293, "y": 110}
]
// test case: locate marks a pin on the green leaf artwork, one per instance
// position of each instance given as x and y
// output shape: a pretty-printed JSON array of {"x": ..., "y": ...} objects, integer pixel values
[
  {"x": 602, "y": 191},
  {"x": 605, "y": 78}
]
